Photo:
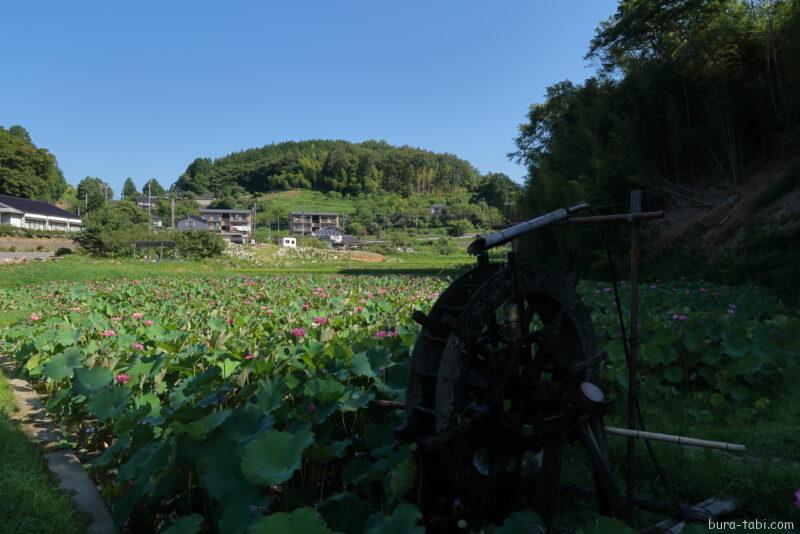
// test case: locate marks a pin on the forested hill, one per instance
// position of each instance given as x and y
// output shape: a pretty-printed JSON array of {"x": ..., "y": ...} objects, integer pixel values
[
  {"x": 693, "y": 101},
  {"x": 351, "y": 168}
]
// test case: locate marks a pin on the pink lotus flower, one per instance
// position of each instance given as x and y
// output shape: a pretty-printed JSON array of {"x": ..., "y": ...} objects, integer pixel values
[
  {"x": 138, "y": 346},
  {"x": 122, "y": 378},
  {"x": 230, "y": 321},
  {"x": 683, "y": 317},
  {"x": 359, "y": 309},
  {"x": 298, "y": 332},
  {"x": 148, "y": 322},
  {"x": 76, "y": 309},
  {"x": 370, "y": 295},
  {"x": 108, "y": 333},
  {"x": 135, "y": 283},
  {"x": 306, "y": 305},
  {"x": 380, "y": 334},
  {"x": 319, "y": 321},
  {"x": 34, "y": 317},
  {"x": 116, "y": 319},
  {"x": 392, "y": 333},
  {"x": 311, "y": 408},
  {"x": 137, "y": 315},
  {"x": 248, "y": 356}
]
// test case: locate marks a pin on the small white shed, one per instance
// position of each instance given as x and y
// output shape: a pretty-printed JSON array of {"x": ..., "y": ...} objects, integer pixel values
[{"x": 289, "y": 242}]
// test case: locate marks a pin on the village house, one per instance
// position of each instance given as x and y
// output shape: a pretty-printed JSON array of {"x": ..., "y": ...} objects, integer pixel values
[
  {"x": 191, "y": 222},
  {"x": 288, "y": 242},
  {"x": 37, "y": 215},
  {"x": 202, "y": 200},
  {"x": 345, "y": 241},
  {"x": 232, "y": 225},
  {"x": 145, "y": 202},
  {"x": 310, "y": 222}
]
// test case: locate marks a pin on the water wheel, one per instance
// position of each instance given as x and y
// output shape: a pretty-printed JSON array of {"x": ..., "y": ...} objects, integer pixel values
[{"x": 504, "y": 372}]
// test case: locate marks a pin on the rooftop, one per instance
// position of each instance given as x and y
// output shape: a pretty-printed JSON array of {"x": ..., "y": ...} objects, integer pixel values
[
  {"x": 331, "y": 213},
  {"x": 27, "y": 205},
  {"x": 214, "y": 210}
]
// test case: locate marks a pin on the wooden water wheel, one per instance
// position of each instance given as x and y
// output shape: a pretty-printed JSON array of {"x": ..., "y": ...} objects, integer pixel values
[{"x": 505, "y": 371}]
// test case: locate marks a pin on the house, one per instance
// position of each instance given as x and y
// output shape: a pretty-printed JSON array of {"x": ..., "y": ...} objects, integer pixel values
[
  {"x": 202, "y": 200},
  {"x": 310, "y": 222},
  {"x": 145, "y": 202},
  {"x": 37, "y": 215},
  {"x": 232, "y": 225},
  {"x": 346, "y": 241},
  {"x": 329, "y": 233},
  {"x": 437, "y": 210},
  {"x": 191, "y": 222},
  {"x": 288, "y": 242}
]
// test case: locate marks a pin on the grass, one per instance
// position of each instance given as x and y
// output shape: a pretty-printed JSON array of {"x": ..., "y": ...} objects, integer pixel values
[
  {"x": 299, "y": 199},
  {"x": 78, "y": 268},
  {"x": 762, "y": 489},
  {"x": 30, "y": 499}
]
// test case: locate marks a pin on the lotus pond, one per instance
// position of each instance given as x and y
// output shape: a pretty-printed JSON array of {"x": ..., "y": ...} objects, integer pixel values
[{"x": 235, "y": 403}]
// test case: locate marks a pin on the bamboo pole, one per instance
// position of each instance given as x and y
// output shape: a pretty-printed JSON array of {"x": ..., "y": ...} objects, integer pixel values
[{"x": 680, "y": 440}]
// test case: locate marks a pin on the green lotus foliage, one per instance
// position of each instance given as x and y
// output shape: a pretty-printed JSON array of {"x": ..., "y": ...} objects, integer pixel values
[{"x": 247, "y": 403}]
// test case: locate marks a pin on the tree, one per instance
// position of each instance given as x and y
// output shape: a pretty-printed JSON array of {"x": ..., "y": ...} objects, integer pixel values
[
  {"x": 93, "y": 193},
  {"x": 129, "y": 190},
  {"x": 152, "y": 187},
  {"x": 499, "y": 191},
  {"x": 350, "y": 168},
  {"x": 109, "y": 229},
  {"x": 27, "y": 171}
]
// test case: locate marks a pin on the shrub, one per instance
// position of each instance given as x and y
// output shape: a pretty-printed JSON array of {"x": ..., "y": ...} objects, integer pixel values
[
  {"x": 445, "y": 246},
  {"x": 198, "y": 244},
  {"x": 460, "y": 227},
  {"x": 62, "y": 251}
]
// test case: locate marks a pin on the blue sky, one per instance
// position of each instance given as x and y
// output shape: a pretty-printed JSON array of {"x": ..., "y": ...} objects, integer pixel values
[{"x": 142, "y": 88}]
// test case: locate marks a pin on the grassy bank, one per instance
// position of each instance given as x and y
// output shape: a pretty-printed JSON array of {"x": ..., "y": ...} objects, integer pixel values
[{"x": 31, "y": 501}]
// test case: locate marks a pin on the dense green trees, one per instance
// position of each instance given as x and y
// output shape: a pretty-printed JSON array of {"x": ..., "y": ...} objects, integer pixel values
[
  {"x": 152, "y": 187},
  {"x": 685, "y": 89},
  {"x": 93, "y": 193},
  {"x": 129, "y": 190},
  {"x": 499, "y": 191},
  {"x": 353, "y": 168},
  {"x": 26, "y": 170}
]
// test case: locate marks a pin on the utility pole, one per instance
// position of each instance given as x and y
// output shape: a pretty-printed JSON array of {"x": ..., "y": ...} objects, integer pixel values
[
  {"x": 253, "y": 224},
  {"x": 172, "y": 210},
  {"x": 149, "y": 202}
]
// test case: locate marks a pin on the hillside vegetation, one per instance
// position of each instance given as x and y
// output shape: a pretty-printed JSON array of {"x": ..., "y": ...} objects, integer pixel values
[
  {"x": 27, "y": 170},
  {"x": 691, "y": 98},
  {"x": 351, "y": 168}
]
